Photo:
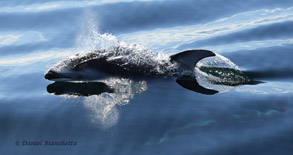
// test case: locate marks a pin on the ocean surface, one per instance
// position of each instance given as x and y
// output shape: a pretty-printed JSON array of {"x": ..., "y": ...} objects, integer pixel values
[{"x": 38, "y": 116}]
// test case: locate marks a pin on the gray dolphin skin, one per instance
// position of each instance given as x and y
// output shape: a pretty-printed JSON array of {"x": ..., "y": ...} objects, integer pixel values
[{"x": 122, "y": 62}]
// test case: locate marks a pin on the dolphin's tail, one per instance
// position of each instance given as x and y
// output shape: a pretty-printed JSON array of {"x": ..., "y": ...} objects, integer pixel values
[{"x": 188, "y": 59}]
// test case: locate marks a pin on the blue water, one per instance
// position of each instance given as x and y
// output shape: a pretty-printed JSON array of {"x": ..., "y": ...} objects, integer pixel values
[{"x": 156, "y": 117}]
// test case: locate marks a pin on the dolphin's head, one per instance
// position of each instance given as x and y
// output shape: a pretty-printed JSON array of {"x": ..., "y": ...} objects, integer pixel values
[
  {"x": 71, "y": 69},
  {"x": 63, "y": 71}
]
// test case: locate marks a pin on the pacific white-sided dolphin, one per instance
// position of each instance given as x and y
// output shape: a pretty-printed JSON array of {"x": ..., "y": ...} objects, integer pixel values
[{"x": 127, "y": 62}]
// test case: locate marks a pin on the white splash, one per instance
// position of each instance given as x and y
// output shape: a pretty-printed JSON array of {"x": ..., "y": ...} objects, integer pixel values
[
  {"x": 206, "y": 80},
  {"x": 96, "y": 45},
  {"x": 89, "y": 38},
  {"x": 103, "y": 109},
  {"x": 217, "y": 61}
]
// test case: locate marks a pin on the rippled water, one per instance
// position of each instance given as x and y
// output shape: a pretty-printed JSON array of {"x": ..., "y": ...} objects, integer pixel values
[{"x": 146, "y": 117}]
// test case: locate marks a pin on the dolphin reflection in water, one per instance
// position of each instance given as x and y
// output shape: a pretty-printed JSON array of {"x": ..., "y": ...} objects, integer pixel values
[{"x": 101, "y": 99}]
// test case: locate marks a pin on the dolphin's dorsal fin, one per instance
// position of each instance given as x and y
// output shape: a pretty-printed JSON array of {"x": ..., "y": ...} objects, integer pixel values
[{"x": 189, "y": 58}]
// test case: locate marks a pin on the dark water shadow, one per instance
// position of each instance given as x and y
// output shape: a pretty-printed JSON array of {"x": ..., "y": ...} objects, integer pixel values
[
  {"x": 192, "y": 84},
  {"x": 78, "y": 89},
  {"x": 270, "y": 74}
]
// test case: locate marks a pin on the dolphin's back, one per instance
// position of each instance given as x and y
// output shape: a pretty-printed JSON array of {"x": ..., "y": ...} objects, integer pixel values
[
  {"x": 122, "y": 62},
  {"x": 102, "y": 64}
]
